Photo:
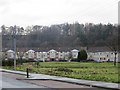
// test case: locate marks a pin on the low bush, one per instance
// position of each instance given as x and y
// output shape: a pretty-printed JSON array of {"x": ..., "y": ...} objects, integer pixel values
[
  {"x": 64, "y": 69},
  {"x": 7, "y": 63}
]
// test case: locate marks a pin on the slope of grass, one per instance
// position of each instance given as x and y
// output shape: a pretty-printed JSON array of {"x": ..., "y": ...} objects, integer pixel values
[{"x": 81, "y": 70}]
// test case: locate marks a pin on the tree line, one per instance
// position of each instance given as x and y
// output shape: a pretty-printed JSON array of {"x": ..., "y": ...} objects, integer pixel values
[{"x": 61, "y": 35}]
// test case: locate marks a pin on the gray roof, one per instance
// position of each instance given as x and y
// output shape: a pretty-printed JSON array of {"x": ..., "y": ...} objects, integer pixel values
[
  {"x": 42, "y": 49},
  {"x": 98, "y": 49}
]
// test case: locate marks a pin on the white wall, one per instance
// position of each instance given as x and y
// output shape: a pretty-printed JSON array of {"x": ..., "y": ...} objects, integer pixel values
[
  {"x": 61, "y": 55},
  {"x": 52, "y": 54},
  {"x": 44, "y": 56},
  {"x": 31, "y": 54},
  {"x": 74, "y": 54},
  {"x": 103, "y": 56}
]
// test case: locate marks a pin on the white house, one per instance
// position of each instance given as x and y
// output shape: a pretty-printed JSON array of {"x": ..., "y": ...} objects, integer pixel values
[
  {"x": 31, "y": 54},
  {"x": 44, "y": 56},
  {"x": 10, "y": 54},
  {"x": 52, "y": 54},
  {"x": 103, "y": 56},
  {"x": 61, "y": 55},
  {"x": 67, "y": 55},
  {"x": 90, "y": 55},
  {"x": 74, "y": 53},
  {"x": 25, "y": 56},
  {"x": 38, "y": 56}
]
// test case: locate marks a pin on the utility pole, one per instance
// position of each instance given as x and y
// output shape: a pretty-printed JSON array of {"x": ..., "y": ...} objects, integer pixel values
[{"x": 14, "y": 45}]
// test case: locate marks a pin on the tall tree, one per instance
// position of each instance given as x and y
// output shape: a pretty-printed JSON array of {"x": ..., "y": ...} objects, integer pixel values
[{"x": 112, "y": 43}]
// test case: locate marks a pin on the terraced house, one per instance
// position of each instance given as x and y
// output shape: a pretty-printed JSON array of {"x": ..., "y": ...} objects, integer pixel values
[{"x": 98, "y": 54}]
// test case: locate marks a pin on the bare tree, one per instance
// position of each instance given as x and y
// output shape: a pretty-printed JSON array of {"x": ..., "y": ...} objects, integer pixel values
[{"x": 112, "y": 43}]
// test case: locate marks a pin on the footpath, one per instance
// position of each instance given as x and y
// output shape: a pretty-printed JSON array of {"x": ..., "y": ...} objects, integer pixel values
[{"x": 106, "y": 85}]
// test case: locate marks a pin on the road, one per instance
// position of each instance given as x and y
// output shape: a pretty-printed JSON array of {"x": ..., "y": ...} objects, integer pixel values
[
  {"x": 11, "y": 84},
  {"x": 8, "y": 80}
]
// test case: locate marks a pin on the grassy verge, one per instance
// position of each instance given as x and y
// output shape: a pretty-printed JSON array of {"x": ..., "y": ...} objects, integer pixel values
[{"x": 80, "y": 70}]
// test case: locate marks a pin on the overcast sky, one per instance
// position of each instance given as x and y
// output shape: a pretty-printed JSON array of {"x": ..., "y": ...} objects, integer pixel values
[{"x": 47, "y": 12}]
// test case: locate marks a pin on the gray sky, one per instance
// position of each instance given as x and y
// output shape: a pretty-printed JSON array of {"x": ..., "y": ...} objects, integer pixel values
[{"x": 47, "y": 12}]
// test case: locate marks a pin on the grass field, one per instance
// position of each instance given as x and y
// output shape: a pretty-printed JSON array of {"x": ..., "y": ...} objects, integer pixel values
[{"x": 81, "y": 70}]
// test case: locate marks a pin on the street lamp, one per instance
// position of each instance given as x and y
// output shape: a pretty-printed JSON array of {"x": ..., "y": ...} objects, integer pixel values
[{"x": 14, "y": 45}]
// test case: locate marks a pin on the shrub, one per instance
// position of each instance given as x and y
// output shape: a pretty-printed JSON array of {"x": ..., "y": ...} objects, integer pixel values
[
  {"x": 64, "y": 69},
  {"x": 82, "y": 55},
  {"x": 7, "y": 62},
  {"x": 74, "y": 60}
]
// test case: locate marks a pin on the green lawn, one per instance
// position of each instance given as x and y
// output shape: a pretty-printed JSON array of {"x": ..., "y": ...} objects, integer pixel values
[{"x": 81, "y": 70}]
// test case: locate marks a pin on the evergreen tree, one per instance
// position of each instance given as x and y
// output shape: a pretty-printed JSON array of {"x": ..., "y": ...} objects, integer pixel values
[{"x": 82, "y": 55}]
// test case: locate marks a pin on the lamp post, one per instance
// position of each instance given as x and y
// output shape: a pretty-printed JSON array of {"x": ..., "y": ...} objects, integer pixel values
[{"x": 14, "y": 45}]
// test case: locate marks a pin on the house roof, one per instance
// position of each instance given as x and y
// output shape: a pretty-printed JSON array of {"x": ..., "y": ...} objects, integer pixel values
[
  {"x": 52, "y": 50},
  {"x": 10, "y": 51},
  {"x": 46, "y": 49},
  {"x": 75, "y": 50},
  {"x": 30, "y": 51},
  {"x": 98, "y": 49}
]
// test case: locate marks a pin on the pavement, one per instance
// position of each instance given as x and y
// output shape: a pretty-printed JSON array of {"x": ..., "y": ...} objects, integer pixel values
[
  {"x": 10, "y": 83},
  {"x": 46, "y": 83},
  {"x": 106, "y": 85}
]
